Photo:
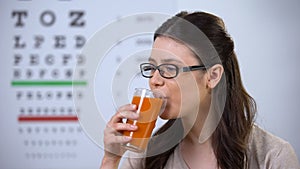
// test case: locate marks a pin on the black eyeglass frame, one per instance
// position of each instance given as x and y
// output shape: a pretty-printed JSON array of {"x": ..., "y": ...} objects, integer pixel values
[{"x": 178, "y": 70}]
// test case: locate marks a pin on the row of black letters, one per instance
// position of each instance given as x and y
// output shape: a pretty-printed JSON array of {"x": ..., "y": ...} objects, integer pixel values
[
  {"x": 41, "y": 143},
  {"x": 47, "y": 74},
  {"x": 44, "y": 130},
  {"x": 49, "y": 60},
  {"x": 47, "y": 18},
  {"x": 45, "y": 110},
  {"x": 48, "y": 95},
  {"x": 59, "y": 42},
  {"x": 51, "y": 156}
]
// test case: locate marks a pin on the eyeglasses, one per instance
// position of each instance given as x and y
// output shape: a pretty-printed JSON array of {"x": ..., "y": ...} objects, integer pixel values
[{"x": 167, "y": 71}]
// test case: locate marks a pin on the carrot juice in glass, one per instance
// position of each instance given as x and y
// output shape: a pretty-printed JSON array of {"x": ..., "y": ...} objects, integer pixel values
[{"x": 149, "y": 105}]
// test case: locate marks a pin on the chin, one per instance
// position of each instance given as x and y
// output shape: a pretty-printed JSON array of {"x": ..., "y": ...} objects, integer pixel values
[
  {"x": 164, "y": 117},
  {"x": 167, "y": 115}
]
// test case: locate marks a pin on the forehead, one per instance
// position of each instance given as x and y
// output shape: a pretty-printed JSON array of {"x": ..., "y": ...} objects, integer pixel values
[{"x": 168, "y": 50}]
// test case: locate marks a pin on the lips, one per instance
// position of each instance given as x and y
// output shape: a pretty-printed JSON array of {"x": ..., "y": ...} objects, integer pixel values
[{"x": 158, "y": 93}]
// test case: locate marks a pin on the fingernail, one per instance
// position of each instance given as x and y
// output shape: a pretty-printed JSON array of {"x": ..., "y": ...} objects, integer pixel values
[
  {"x": 133, "y": 106},
  {"x": 133, "y": 126},
  {"x": 127, "y": 138}
]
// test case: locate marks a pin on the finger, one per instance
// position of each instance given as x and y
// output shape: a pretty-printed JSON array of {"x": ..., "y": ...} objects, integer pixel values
[
  {"x": 126, "y": 111},
  {"x": 130, "y": 107},
  {"x": 128, "y": 115},
  {"x": 121, "y": 139},
  {"x": 124, "y": 127},
  {"x": 117, "y": 128},
  {"x": 112, "y": 139},
  {"x": 117, "y": 118}
]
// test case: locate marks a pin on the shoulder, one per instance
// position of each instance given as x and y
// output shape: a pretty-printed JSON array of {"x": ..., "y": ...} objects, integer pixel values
[{"x": 269, "y": 151}]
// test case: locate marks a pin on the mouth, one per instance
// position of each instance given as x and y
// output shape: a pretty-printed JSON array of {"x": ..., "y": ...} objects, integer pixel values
[{"x": 160, "y": 94}]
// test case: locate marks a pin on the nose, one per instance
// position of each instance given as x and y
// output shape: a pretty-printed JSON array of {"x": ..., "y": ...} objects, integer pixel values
[{"x": 156, "y": 80}]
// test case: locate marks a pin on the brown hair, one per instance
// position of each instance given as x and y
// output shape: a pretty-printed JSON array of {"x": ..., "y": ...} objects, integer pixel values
[{"x": 230, "y": 138}]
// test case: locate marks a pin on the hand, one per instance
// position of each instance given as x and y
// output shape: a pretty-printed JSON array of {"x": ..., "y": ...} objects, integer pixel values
[{"x": 113, "y": 134}]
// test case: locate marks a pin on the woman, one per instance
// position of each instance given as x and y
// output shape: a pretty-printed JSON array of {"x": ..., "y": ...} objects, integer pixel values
[{"x": 210, "y": 114}]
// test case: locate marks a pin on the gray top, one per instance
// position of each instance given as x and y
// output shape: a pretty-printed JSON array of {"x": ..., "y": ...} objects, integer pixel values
[{"x": 266, "y": 151}]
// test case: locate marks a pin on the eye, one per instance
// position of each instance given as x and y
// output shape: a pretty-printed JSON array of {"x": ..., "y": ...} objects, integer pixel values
[
  {"x": 170, "y": 68},
  {"x": 148, "y": 68}
]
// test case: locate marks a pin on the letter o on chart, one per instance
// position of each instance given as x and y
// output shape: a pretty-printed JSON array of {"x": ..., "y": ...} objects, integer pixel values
[{"x": 47, "y": 18}]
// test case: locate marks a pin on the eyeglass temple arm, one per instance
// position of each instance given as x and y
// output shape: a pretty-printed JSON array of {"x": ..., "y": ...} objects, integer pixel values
[{"x": 192, "y": 68}]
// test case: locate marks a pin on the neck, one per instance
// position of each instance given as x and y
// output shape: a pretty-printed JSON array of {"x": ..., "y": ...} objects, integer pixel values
[
  {"x": 190, "y": 143},
  {"x": 192, "y": 137},
  {"x": 193, "y": 125},
  {"x": 198, "y": 155}
]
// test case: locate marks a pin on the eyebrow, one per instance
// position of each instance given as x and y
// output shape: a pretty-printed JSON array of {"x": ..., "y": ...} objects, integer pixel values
[{"x": 166, "y": 60}]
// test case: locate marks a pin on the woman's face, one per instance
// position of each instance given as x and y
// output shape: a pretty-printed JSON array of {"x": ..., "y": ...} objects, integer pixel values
[{"x": 184, "y": 92}]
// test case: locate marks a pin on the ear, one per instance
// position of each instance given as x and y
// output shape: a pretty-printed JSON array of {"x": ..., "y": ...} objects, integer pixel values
[{"x": 214, "y": 75}]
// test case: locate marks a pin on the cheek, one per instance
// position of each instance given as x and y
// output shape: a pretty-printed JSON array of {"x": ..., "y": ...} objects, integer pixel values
[
  {"x": 190, "y": 95},
  {"x": 189, "y": 102},
  {"x": 184, "y": 98},
  {"x": 173, "y": 104}
]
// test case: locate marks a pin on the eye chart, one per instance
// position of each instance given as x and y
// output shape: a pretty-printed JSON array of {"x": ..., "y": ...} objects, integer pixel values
[{"x": 41, "y": 44}]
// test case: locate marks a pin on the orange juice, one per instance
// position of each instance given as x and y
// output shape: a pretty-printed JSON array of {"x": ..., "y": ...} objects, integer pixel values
[{"x": 149, "y": 111}]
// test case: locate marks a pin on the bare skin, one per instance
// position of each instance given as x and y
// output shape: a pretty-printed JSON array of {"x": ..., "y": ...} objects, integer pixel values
[
  {"x": 181, "y": 102},
  {"x": 112, "y": 137}
]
